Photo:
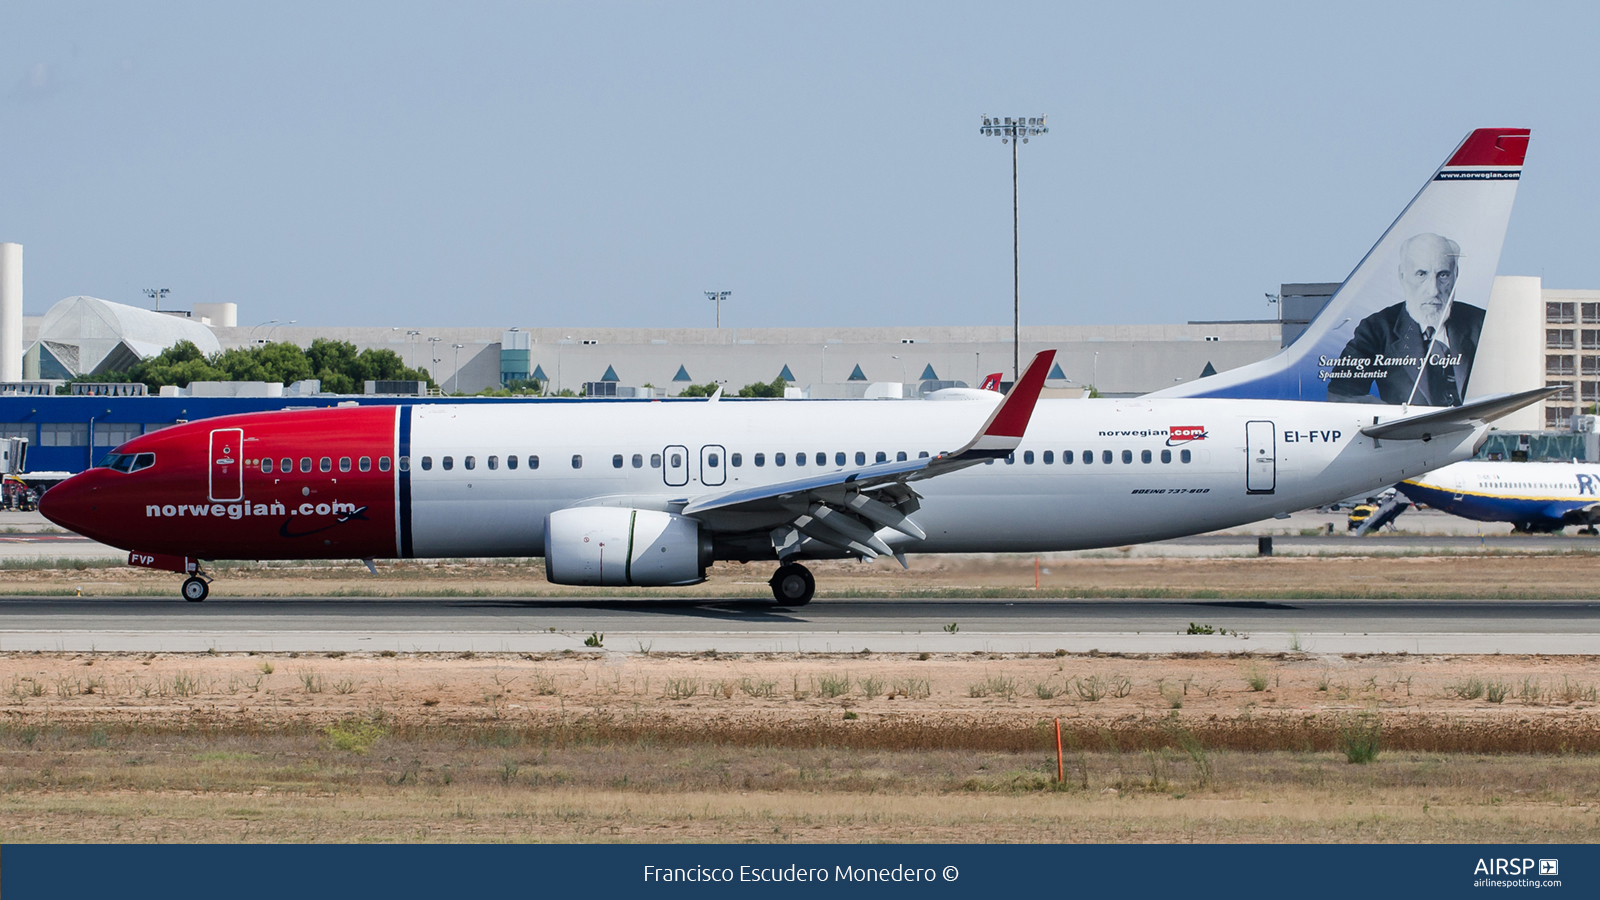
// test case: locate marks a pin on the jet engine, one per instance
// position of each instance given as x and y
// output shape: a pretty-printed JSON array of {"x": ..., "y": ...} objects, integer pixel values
[{"x": 597, "y": 545}]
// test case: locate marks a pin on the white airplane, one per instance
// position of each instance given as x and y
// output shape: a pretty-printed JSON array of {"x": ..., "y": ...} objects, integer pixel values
[
  {"x": 1533, "y": 497},
  {"x": 618, "y": 493}
]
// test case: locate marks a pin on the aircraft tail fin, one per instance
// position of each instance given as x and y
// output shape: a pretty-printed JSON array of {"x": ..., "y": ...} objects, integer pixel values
[{"x": 1403, "y": 328}]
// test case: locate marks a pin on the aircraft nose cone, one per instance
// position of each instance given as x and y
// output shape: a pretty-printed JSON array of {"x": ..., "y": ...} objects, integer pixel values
[{"x": 69, "y": 504}]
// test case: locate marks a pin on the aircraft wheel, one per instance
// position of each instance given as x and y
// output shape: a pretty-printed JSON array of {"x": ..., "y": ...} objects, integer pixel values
[
  {"x": 792, "y": 585},
  {"x": 195, "y": 589}
]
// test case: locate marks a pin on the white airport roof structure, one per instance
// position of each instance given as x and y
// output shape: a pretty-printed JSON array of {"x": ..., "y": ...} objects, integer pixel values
[{"x": 88, "y": 336}]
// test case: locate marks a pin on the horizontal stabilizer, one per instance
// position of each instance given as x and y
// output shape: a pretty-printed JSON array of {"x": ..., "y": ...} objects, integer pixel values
[{"x": 1457, "y": 418}]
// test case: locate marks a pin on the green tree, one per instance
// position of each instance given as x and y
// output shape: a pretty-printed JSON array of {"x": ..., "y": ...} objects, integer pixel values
[
  {"x": 772, "y": 389},
  {"x": 699, "y": 390}
]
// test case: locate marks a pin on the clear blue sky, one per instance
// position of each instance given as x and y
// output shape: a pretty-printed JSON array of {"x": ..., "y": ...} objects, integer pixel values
[{"x": 573, "y": 164}]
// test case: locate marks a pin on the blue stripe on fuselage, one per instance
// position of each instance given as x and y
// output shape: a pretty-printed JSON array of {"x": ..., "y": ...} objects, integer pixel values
[{"x": 1486, "y": 508}]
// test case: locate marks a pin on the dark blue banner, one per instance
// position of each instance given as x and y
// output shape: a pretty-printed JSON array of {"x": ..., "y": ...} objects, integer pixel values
[{"x": 1190, "y": 871}]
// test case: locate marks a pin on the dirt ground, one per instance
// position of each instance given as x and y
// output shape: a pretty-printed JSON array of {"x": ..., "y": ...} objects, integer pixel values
[
  {"x": 785, "y": 747},
  {"x": 1491, "y": 576}
]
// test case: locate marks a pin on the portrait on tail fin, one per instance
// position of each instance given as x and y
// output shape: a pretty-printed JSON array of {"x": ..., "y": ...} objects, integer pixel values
[{"x": 1419, "y": 351}]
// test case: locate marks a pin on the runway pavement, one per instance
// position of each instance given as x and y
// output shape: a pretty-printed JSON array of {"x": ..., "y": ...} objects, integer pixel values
[{"x": 756, "y": 625}]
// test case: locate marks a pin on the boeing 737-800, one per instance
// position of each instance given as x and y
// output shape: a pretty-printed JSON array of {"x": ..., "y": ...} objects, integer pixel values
[{"x": 617, "y": 492}]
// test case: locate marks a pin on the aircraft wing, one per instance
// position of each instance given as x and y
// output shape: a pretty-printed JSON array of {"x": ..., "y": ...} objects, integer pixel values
[
  {"x": 845, "y": 509},
  {"x": 1456, "y": 419}
]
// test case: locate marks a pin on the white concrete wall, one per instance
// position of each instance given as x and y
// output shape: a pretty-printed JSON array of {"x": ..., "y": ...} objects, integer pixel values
[
  {"x": 1131, "y": 358},
  {"x": 222, "y": 315}
]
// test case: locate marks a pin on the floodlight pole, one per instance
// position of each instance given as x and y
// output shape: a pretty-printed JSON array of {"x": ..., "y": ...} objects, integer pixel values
[
  {"x": 1015, "y": 130},
  {"x": 455, "y": 376},
  {"x": 156, "y": 294},
  {"x": 717, "y": 297}
]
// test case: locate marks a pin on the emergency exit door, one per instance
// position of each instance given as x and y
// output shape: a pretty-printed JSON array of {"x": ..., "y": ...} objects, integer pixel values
[
  {"x": 675, "y": 465},
  {"x": 1261, "y": 459},
  {"x": 227, "y": 464}
]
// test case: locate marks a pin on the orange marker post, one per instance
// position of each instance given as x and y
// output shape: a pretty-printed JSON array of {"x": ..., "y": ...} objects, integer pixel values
[{"x": 1061, "y": 772}]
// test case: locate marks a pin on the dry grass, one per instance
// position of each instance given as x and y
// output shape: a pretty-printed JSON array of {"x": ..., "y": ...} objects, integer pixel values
[
  {"x": 360, "y": 781},
  {"x": 597, "y": 746}
]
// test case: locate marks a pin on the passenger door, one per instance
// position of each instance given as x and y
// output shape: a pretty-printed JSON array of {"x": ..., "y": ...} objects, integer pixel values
[
  {"x": 1261, "y": 460},
  {"x": 713, "y": 465},
  {"x": 675, "y": 465},
  {"x": 227, "y": 466}
]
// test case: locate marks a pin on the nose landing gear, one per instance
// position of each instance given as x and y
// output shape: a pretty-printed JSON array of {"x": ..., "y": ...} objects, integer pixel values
[
  {"x": 792, "y": 585},
  {"x": 195, "y": 589}
]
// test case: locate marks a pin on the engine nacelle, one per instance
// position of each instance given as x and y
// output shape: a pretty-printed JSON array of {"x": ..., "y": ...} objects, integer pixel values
[{"x": 600, "y": 545}]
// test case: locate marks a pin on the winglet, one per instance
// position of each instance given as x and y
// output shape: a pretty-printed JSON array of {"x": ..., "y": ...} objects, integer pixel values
[{"x": 1003, "y": 432}]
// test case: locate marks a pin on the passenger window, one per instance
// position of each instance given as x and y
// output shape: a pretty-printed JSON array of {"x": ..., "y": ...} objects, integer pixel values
[
  {"x": 838, "y": 459},
  {"x": 1027, "y": 457},
  {"x": 511, "y": 461},
  {"x": 325, "y": 464},
  {"x": 1144, "y": 456},
  {"x": 286, "y": 465},
  {"x": 1127, "y": 457},
  {"x": 1166, "y": 456},
  {"x": 344, "y": 463},
  {"x": 1088, "y": 456},
  {"x": 881, "y": 457},
  {"x": 616, "y": 461},
  {"x": 777, "y": 459},
  {"x": 638, "y": 460},
  {"x": 655, "y": 460},
  {"x": 1049, "y": 457},
  {"x": 1105, "y": 457},
  {"x": 1011, "y": 458},
  {"x": 266, "y": 466},
  {"x": 493, "y": 462},
  {"x": 305, "y": 463},
  {"x": 861, "y": 458},
  {"x": 736, "y": 459},
  {"x": 533, "y": 462},
  {"x": 470, "y": 462},
  {"x": 900, "y": 457},
  {"x": 427, "y": 463},
  {"x": 712, "y": 461},
  {"x": 675, "y": 461},
  {"x": 383, "y": 464},
  {"x": 760, "y": 460},
  {"x": 799, "y": 459},
  {"x": 577, "y": 460},
  {"x": 1183, "y": 455},
  {"x": 365, "y": 464},
  {"x": 449, "y": 463},
  {"x": 1066, "y": 457},
  {"x": 922, "y": 455}
]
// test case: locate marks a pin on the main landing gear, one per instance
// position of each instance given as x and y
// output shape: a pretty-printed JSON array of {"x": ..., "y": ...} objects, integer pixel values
[
  {"x": 792, "y": 585},
  {"x": 195, "y": 589}
]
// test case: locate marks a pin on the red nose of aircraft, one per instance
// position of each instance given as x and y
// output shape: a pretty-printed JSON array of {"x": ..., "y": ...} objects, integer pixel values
[{"x": 73, "y": 503}]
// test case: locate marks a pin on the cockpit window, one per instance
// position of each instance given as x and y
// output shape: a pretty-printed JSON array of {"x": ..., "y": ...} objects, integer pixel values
[
  {"x": 128, "y": 462},
  {"x": 120, "y": 462}
]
